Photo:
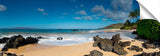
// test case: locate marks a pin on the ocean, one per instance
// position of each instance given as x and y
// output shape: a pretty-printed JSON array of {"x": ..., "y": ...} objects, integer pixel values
[{"x": 70, "y": 36}]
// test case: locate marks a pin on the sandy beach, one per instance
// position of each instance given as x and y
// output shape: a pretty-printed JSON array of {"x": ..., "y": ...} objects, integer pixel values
[{"x": 72, "y": 50}]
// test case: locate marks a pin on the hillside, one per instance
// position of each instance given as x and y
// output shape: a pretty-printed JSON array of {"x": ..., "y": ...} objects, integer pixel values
[{"x": 114, "y": 26}]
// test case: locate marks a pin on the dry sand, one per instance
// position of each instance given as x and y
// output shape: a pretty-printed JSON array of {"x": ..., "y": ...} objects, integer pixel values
[{"x": 72, "y": 50}]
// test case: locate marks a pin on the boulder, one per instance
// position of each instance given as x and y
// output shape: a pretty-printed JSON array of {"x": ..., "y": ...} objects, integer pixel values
[
  {"x": 95, "y": 53},
  {"x": 106, "y": 45},
  {"x": 134, "y": 32},
  {"x": 60, "y": 38},
  {"x": 149, "y": 54},
  {"x": 116, "y": 39},
  {"x": 4, "y": 40},
  {"x": 30, "y": 40},
  {"x": 9, "y": 54},
  {"x": 14, "y": 42},
  {"x": 135, "y": 48},
  {"x": 124, "y": 44},
  {"x": 97, "y": 40},
  {"x": 40, "y": 37},
  {"x": 119, "y": 50},
  {"x": 17, "y": 41},
  {"x": 147, "y": 46}
]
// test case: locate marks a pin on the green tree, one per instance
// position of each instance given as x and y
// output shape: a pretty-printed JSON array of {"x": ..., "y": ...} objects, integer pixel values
[
  {"x": 134, "y": 14},
  {"x": 127, "y": 23}
]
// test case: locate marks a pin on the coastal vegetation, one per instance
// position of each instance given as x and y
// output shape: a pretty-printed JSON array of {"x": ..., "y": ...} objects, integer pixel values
[
  {"x": 133, "y": 16},
  {"x": 149, "y": 29}
]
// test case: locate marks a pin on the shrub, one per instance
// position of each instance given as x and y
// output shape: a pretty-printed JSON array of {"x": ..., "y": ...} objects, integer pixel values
[{"x": 149, "y": 29}]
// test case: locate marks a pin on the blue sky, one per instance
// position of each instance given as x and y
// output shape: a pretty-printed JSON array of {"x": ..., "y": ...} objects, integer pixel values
[{"x": 64, "y": 14}]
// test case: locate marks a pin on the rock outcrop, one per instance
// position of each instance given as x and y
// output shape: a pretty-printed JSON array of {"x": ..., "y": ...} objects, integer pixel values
[
  {"x": 111, "y": 45},
  {"x": 4, "y": 40},
  {"x": 147, "y": 46},
  {"x": 119, "y": 50},
  {"x": 135, "y": 48},
  {"x": 17, "y": 41},
  {"x": 106, "y": 45},
  {"x": 134, "y": 32},
  {"x": 95, "y": 53},
  {"x": 9, "y": 54},
  {"x": 97, "y": 40},
  {"x": 116, "y": 39},
  {"x": 124, "y": 44},
  {"x": 60, "y": 38},
  {"x": 149, "y": 54}
]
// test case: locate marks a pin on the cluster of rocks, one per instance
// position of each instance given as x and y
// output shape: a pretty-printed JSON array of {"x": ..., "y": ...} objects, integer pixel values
[
  {"x": 95, "y": 53},
  {"x": 148, "y": 45},
  {"x": 17, "y": 41},
  {"x": 9, "y": 54},
  {"x": 149, "y": 54},
  {"x": 135, "y": 48},
  {"x": 111, "y": 45}
]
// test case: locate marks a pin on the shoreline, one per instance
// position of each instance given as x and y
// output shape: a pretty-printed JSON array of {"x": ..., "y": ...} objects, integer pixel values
[
  {"x": 67, "y": 50},
  {"x": 74, "y": 50}
]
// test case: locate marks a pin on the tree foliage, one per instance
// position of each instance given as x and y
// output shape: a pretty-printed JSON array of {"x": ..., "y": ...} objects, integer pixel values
[{"x": 149, "y": 29}]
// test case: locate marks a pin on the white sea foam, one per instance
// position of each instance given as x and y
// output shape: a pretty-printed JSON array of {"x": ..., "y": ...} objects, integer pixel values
[{"x": 72, "y": 39}]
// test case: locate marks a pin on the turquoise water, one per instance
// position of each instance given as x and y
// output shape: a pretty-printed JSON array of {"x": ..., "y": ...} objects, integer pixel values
[{"x": 5, "y": 31}]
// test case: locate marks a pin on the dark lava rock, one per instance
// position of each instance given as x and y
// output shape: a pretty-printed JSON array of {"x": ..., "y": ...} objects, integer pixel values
[
  {"x": 111, "y": 44},
  {"x": 4, "y": 40},
  {"x": 149, "y": 54},
  {"x": 40, "y": 37},
  {"x": 17, "y": 41},
  {"x": 141, "y": 37},
  {"x": 133, "y": 40},
  {"x": 124, "y": 44},
  {"x": 147, "y": 46},
  {"x": 60, "y": 38},
  {"x": 119, "y": 50},
  {"x": 116, "y": 39},
  {"x": 134, "y": 32},
  {"x": 135, "y": 48},
  {"x": 106, "y": 45},
  {"x": 97, "y": 40},
  {"x": 30, "y": 40},
  {"x": 95, "y": 53},
  {"x": 8, "y": 54}
]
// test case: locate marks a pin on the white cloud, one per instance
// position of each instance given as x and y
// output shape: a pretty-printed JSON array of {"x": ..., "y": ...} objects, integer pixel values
[
  {"x": 82, "y": 12},
  {"x": 124, "y": 5},
  {"x": 98, "y": 9},
  {"x": 87, "y": 18},
  {"x": 77, "y": 18},
  {"x": 3, "y": 8},
  {"x": 40, "y": 9},
  {"x": 116, "y": 16},
  {"x": 84, "y": 17}
]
